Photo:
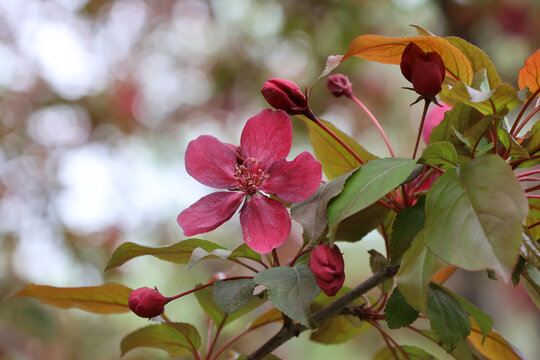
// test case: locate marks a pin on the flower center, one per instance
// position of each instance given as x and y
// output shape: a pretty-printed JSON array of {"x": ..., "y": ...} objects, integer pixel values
[{"x": 249, "y": 176}]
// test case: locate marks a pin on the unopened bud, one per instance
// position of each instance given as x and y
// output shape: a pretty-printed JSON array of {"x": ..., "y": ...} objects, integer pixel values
[
  {"x": 285, "y": 95},
  {"x": 146, "y": 302},
  {"x": 425, "y": 71},
  {"x": 327, "y": 265},
  {"x": 339, "y": 85}
]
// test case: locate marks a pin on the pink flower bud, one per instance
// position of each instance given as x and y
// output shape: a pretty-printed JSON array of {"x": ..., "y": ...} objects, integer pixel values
[
  {"x": 426, "y": 71},
  {"x": 434, "y": 118},
  {"x": 285, "y": 95},
  {"x": 146, "y": 302},
  {"x": 327, "y": 265},
  {"x": 339, "y": 85}
]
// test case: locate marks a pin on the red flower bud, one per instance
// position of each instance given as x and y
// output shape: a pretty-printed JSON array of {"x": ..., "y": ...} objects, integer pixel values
[
  {"x": 327, "y": 265},
  {"x": 285, "y": 95},
  {"x": 426, "y": 71},
  {"x": 339, "y": 85},
  {"x": 147, "y": 302}
]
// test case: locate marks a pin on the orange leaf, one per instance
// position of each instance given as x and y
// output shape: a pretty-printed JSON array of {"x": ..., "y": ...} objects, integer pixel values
[
  {"x": 495, "y": 347},
  {"x": 388, "y": 50},
  {"x": 104, "y": 299},
  {"x": 529, "y": 74},
  {"x": 442, "y": 275},
  {"x": 272, "y": 315}
]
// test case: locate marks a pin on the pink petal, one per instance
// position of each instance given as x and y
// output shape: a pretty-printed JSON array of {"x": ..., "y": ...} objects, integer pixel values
[
  {"x": 434, "y": 118},
  {"x": 267, "y": 136},
  {"x": 211, "y": 162},
  {"x": 293, "y": 181},
  {"x": 209, "y": 212},
  {"x": 266, "y": 223}
]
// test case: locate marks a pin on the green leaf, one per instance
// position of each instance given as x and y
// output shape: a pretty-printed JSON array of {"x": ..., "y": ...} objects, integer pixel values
[
  {"x": 335, "y": 160},
  {"x": 461, "y": 117},
  {"x": 398, "y": 312},
  {"x": 377, "y": 261},
  {"x": 413, "y": 353},
  {"x": 477, "y": 131},
  {"x": 530, "y": 249},
  {"x": 311, "y": 213},
  {"x": 500, "y": 100},
  {"x": 365, "y": 186},
  {"x": 179, "y": 253},
  {"x": 478, "y": 59},
  {"x": 338, "y": 329},
  {"x": 199, "y": 254},
  {"x": 103, "y": 299},
  {"x": 516, "y": 150},
  {"x": 244, "y": 251},
  {"x": 291, "y": 290},
  {"x": 175, "y": 338},
  {"x": 417, "y": 267},
  {"x": 532, "y": 139},
  {"x": 232, "y": 295},
  {"x": 205, "y": 297},
  {"x": 474, "y": 216},
  {"x": 440, "y": 153},
  {"x": 460, "y": 352},
  {"x": 533, "y": 217},
  {"x": 484, "y": 321},
  {"x": 355, "y": 227},
  {"x": 449, "y": 321},
  {"x": 516, "y": 274},
  {"x": 407, "y": 224},
  {"x": 531, "y": 283}
]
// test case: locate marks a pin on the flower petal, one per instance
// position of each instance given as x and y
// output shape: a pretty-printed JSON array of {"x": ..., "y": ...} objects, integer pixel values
[
  {"x": 267, "y": 136},
  {"x": 209, "y": 212},
  {"x": 293, "y": 181},
  {"x": 266, "y": 223},
  {"x": 211, "y": 162}
]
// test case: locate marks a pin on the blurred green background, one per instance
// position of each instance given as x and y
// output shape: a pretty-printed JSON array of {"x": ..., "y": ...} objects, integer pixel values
[{"x": 98, "y": 99}]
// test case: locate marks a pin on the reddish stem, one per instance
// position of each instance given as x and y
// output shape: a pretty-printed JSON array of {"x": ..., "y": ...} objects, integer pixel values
[
  {"x": 300, "y": 253},
  {"x": 384, "y": 333},
  {"x": 275, "y": 257},
  {"x": 530, "y": 196},
  {"x": 527, "y": 178},
  {"x": 213, "y": 345},
  {"x": 526, "y": 120},
  {"x": 374, "y": 121},
  {"x": 533, "y": 225},
  {"x": 244, "y": 265},
  {"x": 533, "y": 188},
  {"x": 426, "y": 106},
  {"x": 517, "y": 162},
  {"x": 529, "y": 101},
  {"x": 531, "y": 172},
  {"x": 204, "y": 286}
]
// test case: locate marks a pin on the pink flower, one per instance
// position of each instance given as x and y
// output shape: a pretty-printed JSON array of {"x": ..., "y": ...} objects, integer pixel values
[
  {"x": 434, "y": 118},
  {"x": 258, "y": 165},
  {"x": 147, "y": 302}
]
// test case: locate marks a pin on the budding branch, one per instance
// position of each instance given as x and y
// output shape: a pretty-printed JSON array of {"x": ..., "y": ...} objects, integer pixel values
[{"x": 290, "y": 329}]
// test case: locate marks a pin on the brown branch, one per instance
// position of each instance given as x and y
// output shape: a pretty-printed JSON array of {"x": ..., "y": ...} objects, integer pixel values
[{"x": 290, "y": 329}]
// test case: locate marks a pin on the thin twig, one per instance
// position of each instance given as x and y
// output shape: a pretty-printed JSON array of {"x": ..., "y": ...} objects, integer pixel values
[{"x": 375, "y": 122}]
